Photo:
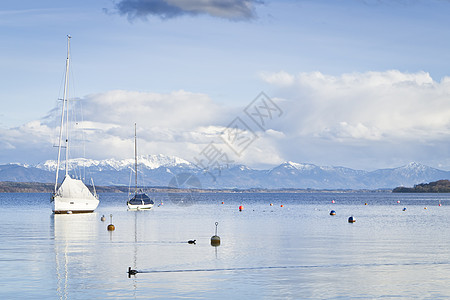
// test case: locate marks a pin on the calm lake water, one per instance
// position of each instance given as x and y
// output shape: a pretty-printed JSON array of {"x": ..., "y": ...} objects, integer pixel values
[{"x": 297, "y": 251}]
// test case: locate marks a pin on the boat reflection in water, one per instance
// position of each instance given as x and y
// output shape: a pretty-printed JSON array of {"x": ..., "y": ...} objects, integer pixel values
[{"x": 75, "y": 237}]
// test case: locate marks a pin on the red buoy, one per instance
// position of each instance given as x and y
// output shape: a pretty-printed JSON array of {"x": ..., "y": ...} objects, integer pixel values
[
  {"x": 281, "y": 205},
  {"x": 222, "y": 202},
  {"x": 241, "y": 208}
]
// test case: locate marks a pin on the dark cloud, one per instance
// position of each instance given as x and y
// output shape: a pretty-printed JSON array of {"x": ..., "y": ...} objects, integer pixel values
[{"x": 167, "y": 9}]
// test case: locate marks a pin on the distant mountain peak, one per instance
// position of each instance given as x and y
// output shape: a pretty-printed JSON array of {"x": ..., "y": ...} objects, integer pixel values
[
  {"x": 152, "y": 161},
  {"x": 414, "y": 164},
  {"x": 298, "y": 166},
  {"x": 417, "y": 167}
]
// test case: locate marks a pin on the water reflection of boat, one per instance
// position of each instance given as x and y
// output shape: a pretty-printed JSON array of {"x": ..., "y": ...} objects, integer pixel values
[
  {"x": 135, "y": 255},
  {"x": 73, "y": 234}
]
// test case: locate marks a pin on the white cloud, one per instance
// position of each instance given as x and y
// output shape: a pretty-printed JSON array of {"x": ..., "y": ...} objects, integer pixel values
[
  {"x": 360, "y": 120},
  {"x": 280, "y": 78},
  {"x": 275, "y": 133},
  {"x": 364, "y": 110},
  {"x": 179, "y": 123},
  {"x": 368, "y": 105},
  {"x": 170, "y": 124}
]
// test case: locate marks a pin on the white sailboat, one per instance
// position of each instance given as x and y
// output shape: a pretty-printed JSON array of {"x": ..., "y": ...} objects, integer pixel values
[
  {"x": 140, "y": 200},
  {"x": 72, "y": 196}
]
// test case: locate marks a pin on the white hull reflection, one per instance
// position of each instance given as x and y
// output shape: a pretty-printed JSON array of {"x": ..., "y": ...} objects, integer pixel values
[{"x": 73, "y": 236}]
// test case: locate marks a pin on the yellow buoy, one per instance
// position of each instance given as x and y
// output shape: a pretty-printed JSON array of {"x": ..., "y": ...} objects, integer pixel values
[
  {"x": 215, "y": 239},
  {"x": 111, "y": 227}
]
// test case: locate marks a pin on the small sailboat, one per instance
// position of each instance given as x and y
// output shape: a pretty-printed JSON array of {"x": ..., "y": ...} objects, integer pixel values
[
  {"x": 72, "y": 196},
  {"x": 140, "y": 200}
]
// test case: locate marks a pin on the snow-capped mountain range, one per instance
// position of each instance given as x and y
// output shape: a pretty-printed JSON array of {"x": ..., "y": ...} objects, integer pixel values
[
  {"x": 160, "y": 170},
  {"x": 147, "y": 161}
]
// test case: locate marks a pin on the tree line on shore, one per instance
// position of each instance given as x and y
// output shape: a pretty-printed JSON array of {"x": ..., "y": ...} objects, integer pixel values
[{"x": 440, "y": 186}]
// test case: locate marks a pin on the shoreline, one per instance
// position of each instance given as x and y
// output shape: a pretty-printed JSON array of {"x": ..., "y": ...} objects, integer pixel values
[{"x": 36, "y": 187}]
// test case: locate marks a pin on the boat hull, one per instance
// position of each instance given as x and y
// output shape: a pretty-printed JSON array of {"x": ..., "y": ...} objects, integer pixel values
[
  {"x": 139, "y": 206},
  {"x": 74, "y": 205},
  {"x": 140, "y": 201}
]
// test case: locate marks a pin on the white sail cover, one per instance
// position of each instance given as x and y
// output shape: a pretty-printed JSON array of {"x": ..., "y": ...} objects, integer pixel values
[{"x": 74, "y": 189}]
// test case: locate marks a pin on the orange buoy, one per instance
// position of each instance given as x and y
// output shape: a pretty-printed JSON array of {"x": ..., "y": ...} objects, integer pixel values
[
  {"x": 223, "y": 202},
  {"x": 281, "y": 205}
]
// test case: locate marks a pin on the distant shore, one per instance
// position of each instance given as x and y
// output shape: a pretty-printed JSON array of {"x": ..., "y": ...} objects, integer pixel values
[
  {"x": 36, "y": 187},
  {"x": 440, "y": 186}
]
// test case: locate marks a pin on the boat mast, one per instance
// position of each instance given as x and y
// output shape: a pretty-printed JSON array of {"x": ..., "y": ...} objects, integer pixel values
[
  {"x": 66, "y": 86},
  {"x": 135, "y": 161},
  {"x": 64, "y": 108}
]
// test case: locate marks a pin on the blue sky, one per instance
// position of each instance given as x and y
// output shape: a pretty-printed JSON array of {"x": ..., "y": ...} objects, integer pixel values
[{"x": 361, "y": 83}]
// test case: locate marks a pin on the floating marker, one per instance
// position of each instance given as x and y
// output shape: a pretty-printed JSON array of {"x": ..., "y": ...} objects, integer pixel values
[
  {"x": 332, "y": 201},
  {"x": 351, "y": 220},
  {"x": 425, "y": 207},
  {"x": 332, "y": 213},
  {"x": 103, "y": 219},
  {"x": 365, "y": 203},
  {"x": 398, "y": 201},
  {"x": 281, "y": 205},
  {"x": 111, "y": 227},
  {"x": 223, "y": 202},
  {"x": 215, "y": 239},
  {"x": 404, "y": 208},
  {"x": 271, "y": 204},
  {"x": 241, "y": 208}
]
